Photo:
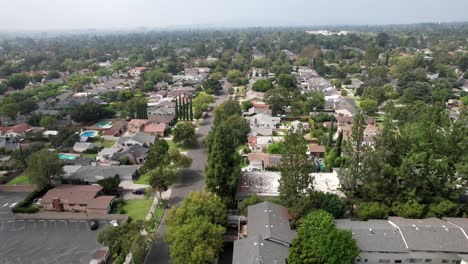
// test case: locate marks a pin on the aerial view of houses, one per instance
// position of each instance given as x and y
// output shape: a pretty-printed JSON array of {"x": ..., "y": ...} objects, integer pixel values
[{"x": 260, "y": 144}]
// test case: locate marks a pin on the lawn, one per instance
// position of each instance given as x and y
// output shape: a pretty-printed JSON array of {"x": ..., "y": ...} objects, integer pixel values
[
  {"x": 143, "y": 179},
  {"x": 171, "y": 144},
  {"x": 20, "y": 180},
  {"x": 90, "y": 155},
  {"x": 136, "y": 209},
  {"x": 105, "y": 143}
]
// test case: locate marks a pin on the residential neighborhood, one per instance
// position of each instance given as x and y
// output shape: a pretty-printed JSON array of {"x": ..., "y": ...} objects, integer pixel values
[{"x": 238, "y": 145}]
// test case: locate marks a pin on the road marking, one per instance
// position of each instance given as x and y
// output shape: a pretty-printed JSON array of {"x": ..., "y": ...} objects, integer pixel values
[{"x": 5, "y": 204}]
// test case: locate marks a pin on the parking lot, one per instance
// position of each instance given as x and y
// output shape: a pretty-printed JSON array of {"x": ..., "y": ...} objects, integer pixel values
[
  {"x": 47, "y": 241},
  {"x": 7, "y": 200}
]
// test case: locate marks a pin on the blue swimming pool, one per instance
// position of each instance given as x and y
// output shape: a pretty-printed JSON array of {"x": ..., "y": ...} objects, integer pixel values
[
  {"x": 65, "y": 156},
  {"x": 104, "y": 124},
  {"x": 88, "y": 134}
]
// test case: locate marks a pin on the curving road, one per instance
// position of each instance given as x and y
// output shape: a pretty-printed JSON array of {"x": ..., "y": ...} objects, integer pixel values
[{"x": 190, "y": 180}]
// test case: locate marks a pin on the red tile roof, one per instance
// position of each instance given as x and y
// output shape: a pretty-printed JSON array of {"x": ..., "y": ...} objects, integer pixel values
[{"x": 16, "y": 129}]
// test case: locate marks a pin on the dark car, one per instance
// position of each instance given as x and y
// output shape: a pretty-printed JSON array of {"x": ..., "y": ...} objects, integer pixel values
[
  {"x": 93, "y": 224},
  {"x": 139, "y": 191}
]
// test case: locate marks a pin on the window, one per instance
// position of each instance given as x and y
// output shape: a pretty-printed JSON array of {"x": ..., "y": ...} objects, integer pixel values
[
  {"x": 428, "y": 260},
  {"x": 445, "y": 261},
  {"x": 365, "y": 260},
  {"x": 398, "y": 261},
  {"x": 358, "y": 260},
  {"x": 72, "y": 204},
  {"x": 384, "y": 261},
  {"x": 82, "y": 204}
]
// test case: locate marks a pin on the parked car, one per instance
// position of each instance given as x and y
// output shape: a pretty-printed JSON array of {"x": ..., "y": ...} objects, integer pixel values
[
  {"x": 93, "y": 224},
  {"x": 139, "y": 191}
]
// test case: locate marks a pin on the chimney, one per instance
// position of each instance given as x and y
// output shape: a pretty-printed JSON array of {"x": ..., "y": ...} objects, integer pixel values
[{"x": 133, "y": 160}]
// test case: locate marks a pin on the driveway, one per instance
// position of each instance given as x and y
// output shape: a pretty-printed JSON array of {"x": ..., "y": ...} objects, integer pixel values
[{"x": 191, "y": 180}]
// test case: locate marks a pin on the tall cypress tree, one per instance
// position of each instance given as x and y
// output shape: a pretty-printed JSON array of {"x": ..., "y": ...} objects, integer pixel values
[
  {"x": 187, "y": 113},
  {"x": 191, "y": 110},
  {"x": 330, "y": 137},
  {"x": 176, "y": 109},
  {"x": 182, "y": 109}
]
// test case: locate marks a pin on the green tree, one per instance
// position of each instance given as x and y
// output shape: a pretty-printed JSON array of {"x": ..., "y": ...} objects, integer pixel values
[
  {"x": 90, "y": 112},
  {"x": 48, "y": 122},
  {"x": 295, "y": 169},
  {"x": 124, "y": 239},
  {"x": 372, "y": 210},
  {"x": 44, "y": 167},
  {"x": 109, "y": 185},
  {"x": 287, "y": 81},
  {"x": 276, "y": 148},
  {"x": 201, "y": 103},
  {"x": 212, "y": 85},
  {"x": 315, "y": 100},
  {"x": 318, "y": 241},
  {"x": 18, "y": 81},
  {"x": 369, "y": 106},
  {"x": 262, "y": 86},
  {"x": 252, "y": 200},
  {"x": 410, "y": 209},
  {"x": 198, "y": 241},
  {"x": 277, "y": 98},
  {"x": 329, "y": 202},
  {"x": 148, "y": 86},
  {"x": 184, "y": 134},
  {"x": 10, "y": 109},
  {"x": 444, "y": 208}
]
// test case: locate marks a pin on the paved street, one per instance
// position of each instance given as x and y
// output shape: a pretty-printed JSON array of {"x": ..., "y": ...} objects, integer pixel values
[{"x": 191, "y": 180}]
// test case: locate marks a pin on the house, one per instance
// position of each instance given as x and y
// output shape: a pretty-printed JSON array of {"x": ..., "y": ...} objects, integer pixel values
[
  {"x": 269, "y": 235},
  {"x": 140, "y": 138},
  {"x": 400, "y": 240},
  {"x": 262, "y": 124},
  {"x": 136, "y": 125},
  {"x": 91, "y": 174},
  {"x": 77, "y": 198},
  {"x": 161, "y": 119},
  {"x": 117, "y": 129},
  {"x": 135, "y": 153},
  {"x": 262, "y": 183},
  {"x": 196, "y": 74},
  {"x": 155, "y": 129},
  {"x": 294, "y": 125},
  {"x": 264, "y": 160},
  {"x": 316, "y": 151},
  {"x": 327, "y": 182},
  {"x": 137, "y": 71},
  {"x": 261, "y": 143},
  {"x": 18, "y": 131},
  {"x": 82, "y": 146},
  {"x": 257, "y": 108},
  {"x": 9, "y": 143}
]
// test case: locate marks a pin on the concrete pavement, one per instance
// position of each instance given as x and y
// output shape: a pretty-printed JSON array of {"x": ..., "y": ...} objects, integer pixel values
[{"x": 190, "y": 180}]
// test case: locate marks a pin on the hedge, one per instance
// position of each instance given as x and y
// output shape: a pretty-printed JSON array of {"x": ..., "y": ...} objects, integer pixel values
[{"x": 25, "y": 206}]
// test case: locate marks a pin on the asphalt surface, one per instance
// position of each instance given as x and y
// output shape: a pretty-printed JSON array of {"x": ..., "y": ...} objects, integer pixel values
[
  {"x": 7, "y": 201},
  {"x": 44, "y": 241},
  {"x": 190, "y": 180},
  {"x": 47, "y": 241}
]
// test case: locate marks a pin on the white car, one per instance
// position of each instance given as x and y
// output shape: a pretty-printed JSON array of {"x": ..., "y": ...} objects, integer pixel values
[{"x": 114, "y": 223}]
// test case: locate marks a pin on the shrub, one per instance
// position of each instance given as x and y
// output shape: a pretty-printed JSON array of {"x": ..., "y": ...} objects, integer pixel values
[
  {"x": 254, "y": 199},
  {"x": 444, "y": 208},
  {"x": 26, "y": 206},
  {"x": 372, "y": 210},
  {"x": 410, "y": 209},
  {"x": 329, "y": 202}
]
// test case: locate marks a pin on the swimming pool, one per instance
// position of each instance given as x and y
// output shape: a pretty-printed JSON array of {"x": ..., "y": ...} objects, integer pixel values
[
  {"x": 104, "y": 124},
  {"x": 88, "y": 134},
  {"x": 65, "y": 156}
]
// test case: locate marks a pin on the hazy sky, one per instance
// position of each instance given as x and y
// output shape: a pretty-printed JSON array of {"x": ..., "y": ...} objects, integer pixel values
[{"x": 107, "y": 14}]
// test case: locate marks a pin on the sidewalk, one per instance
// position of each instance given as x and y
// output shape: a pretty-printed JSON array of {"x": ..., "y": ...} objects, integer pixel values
[{"x": 165, "y": 196}]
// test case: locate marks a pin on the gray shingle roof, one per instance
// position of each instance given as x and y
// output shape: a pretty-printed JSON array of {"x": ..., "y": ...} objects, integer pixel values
[
  {"x": 140, "y": 137},
  {"x": 374, "y": 235},
  {"x": 255, "y": 250},
  {"x": 95, "y": 173},
  {"x": 271, "y": 221},
  {"x": 431, "y": 234}
]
